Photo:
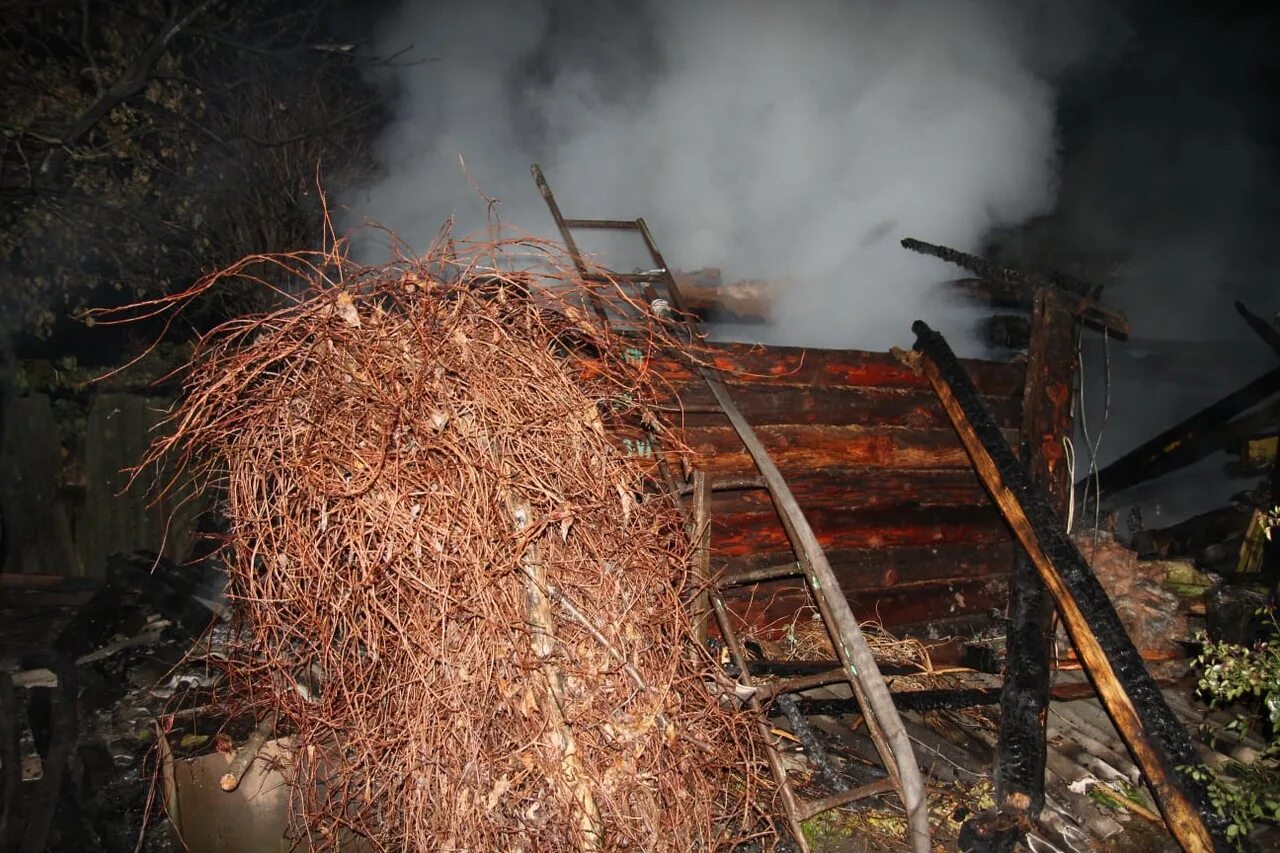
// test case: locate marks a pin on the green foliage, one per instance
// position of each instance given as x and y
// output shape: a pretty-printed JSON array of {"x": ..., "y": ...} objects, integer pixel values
[
  {"x": 1245, "y": 793},
  {"x": 132, "y": 163}
]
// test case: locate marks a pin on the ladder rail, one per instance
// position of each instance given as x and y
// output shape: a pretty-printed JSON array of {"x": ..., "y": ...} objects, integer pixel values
[{"x": 858, "y": 665}]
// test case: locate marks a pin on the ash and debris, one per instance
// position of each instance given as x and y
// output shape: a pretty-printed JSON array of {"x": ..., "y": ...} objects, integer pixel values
[{"x": 139, "y": 668}]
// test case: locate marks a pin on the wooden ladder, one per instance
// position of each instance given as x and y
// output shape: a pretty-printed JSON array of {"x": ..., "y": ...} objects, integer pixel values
[{"x": 857, "y": 664}]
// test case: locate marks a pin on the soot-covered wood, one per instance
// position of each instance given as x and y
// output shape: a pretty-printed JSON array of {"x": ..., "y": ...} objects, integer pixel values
[
  {"x": 1021, "y": 750},
  {"x": 1153, "y": 733}
]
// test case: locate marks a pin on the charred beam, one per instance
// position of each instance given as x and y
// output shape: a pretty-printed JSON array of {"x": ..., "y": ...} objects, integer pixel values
[
  {"x": 1005, "y": 276},
  {"x": 995, "y": 294},
  {"x": 1153, "y": 733},
  {"x": 812, "y": 746},
  {"x": 914, "y": 700},
  {"x": 1187, "y": 442},
  {"x": 1088, "y": 308},
  {"x": 1264, "y": 329},
  {"x": 55, "y": 739}
]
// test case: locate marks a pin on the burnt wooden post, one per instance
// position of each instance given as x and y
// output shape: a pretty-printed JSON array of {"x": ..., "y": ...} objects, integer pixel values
[
  {"x": 1155, "y": 736},
  {"x": 1021, "y": 751},
  {"x": 1046, "y": 421}
]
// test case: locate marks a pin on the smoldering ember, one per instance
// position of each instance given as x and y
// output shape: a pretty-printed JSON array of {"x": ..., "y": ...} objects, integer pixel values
[{"x": 639, "y": 425}]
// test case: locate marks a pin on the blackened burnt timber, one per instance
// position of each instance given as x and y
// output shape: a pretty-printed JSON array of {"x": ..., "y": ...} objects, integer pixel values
[
  {"x": 1264, "y": 329},
  {"x": 1046, "y": 420},
  {"x": 1184, "y": 443},
  {"x": 1090, "y": 311},
  {"x": 1198, "y": 436},
  {"x": 1155, "y": 736},
  {"x": 994, "y": 272}
]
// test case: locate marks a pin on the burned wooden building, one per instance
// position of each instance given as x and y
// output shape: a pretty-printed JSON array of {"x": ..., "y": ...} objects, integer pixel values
[
  {"x": 919, "y": 493},
  {"x": 912, "y": 494}
]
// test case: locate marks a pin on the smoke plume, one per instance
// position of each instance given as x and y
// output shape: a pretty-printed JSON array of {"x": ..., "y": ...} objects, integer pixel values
[{"x": 773, "y": 140}]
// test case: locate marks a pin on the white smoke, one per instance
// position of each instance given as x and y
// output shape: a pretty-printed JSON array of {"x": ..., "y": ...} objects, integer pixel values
[{"x": 771, "y": 139}]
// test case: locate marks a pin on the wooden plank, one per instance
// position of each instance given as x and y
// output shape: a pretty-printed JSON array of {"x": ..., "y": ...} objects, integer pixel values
[
  {"x": 831, "y": 488},
  {"x": 701, "y": 555},
  {"x": 842, "y": 529},
  {"x": 765, "y": 404},
  {"x": 37, "y": 537},
  {"x": 800, "y": 449},
  {"x": 1155, "y": 736},
  {"x": 45, "y": 597},
  {"x": 770, "y": 608},
  {"x": 10, "y": 580},
  {"x": 882, "y": 567},
  {"x": 818, "y": 369}
]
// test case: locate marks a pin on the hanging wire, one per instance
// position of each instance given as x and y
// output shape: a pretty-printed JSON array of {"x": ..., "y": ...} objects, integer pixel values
[{"x": 1093, "y": 444}]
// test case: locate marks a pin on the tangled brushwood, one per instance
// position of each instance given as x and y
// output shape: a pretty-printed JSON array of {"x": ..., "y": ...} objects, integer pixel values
[{"x": 463, "y": 591}]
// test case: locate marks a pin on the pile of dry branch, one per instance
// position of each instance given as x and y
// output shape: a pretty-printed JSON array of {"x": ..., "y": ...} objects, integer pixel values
[{"x": 462, "y": 596}]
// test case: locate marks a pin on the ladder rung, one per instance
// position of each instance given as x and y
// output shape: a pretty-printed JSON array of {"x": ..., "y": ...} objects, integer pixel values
[
  {"x": 809, "y": 808},
  {"x": 767, "y": 573},
  {"x": 694, "y": 409},
  {"x": 723, "y": 484},
  {"x": 804, "y": 682},
  {"x": 611, "y": 224}
]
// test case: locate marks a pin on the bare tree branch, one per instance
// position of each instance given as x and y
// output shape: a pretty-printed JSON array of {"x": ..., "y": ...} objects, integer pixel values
[{"x": 134, "y": 78}]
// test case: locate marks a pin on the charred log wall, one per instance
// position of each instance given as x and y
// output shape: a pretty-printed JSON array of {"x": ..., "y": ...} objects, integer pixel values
[{"x": 875, "y": 465}]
